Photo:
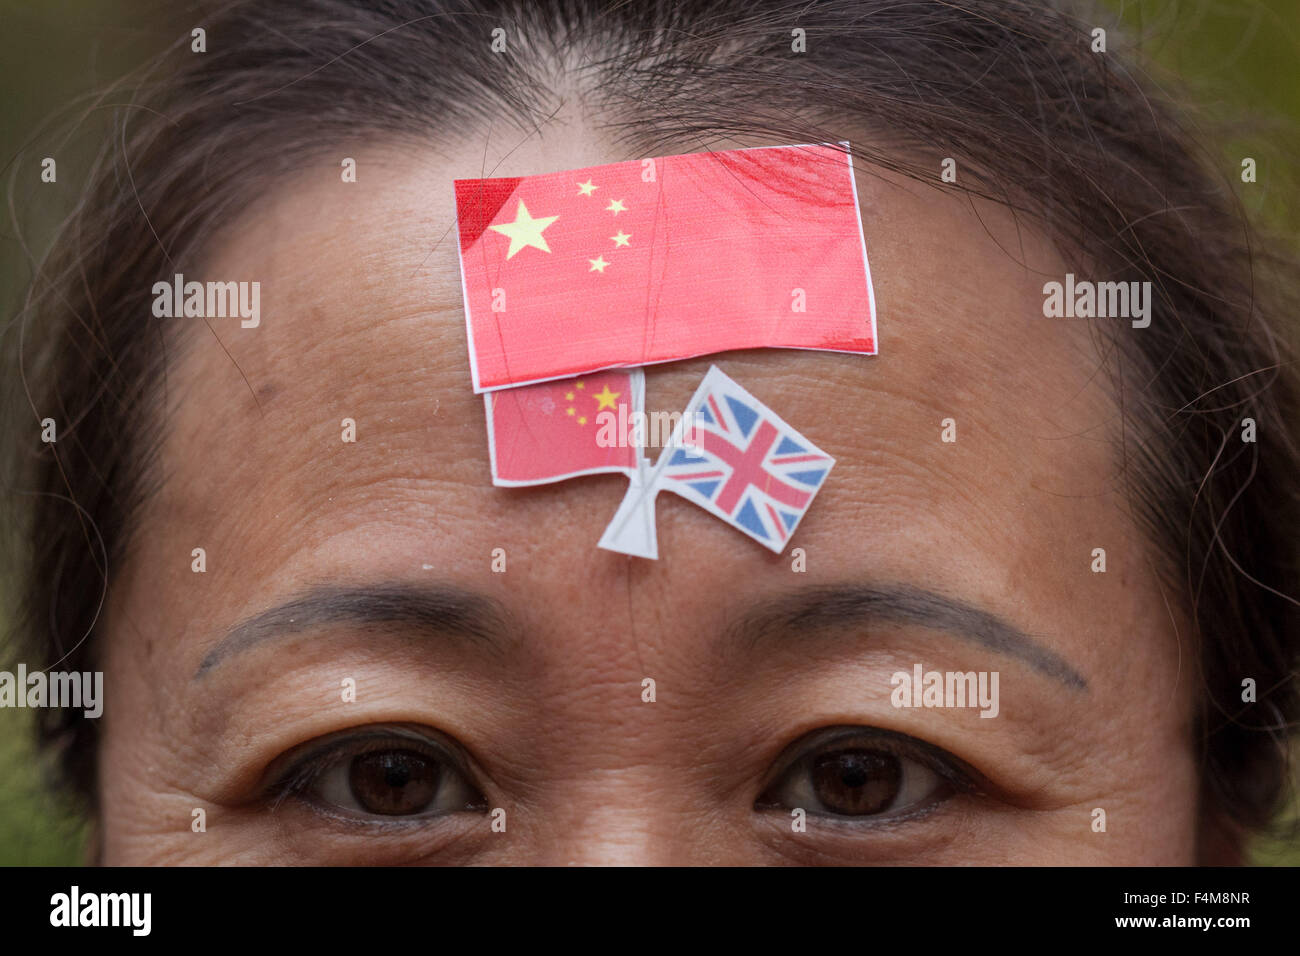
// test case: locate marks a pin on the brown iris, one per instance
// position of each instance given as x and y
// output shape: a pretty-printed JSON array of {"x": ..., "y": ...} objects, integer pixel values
[
  {"x": 856, "y": 781},
  {"x": 393, "y": 782}
]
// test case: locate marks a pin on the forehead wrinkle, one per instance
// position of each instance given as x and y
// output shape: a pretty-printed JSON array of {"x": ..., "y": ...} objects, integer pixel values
[{"x": 400, "y": 371}]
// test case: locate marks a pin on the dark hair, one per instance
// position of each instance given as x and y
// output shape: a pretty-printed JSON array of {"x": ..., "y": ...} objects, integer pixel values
[{"x": 1069, "y": 139}]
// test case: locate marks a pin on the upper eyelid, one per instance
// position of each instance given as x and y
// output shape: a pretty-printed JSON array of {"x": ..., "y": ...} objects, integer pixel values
[
  {"x": 952, "y": 768},
  {"x": 278, "y": 782}
]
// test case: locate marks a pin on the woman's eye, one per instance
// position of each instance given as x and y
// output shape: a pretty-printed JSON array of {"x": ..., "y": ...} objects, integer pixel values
[
  {"x": 863, "y": 774},
  {"x": 385, "y": 773},
  {"x": 386, "y": 782}
]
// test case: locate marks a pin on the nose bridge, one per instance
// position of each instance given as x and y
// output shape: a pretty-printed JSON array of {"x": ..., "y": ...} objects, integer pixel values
[
  {"x": 614, "y": 817},
  {"x": 615, "y": 796},
  {"x": 615, "y": 733}
]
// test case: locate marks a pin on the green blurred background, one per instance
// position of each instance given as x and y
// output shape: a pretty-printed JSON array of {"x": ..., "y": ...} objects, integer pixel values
[{"x": 1237, "y": 59}]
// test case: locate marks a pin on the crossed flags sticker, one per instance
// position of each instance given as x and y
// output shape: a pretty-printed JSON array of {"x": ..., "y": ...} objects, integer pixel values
[{"x": 575, "y": 280}]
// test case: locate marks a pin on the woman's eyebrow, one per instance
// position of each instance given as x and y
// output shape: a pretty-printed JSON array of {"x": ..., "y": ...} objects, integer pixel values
[
  {"x": 438, "y": 608},
  {"x": 806, "y": 614},
  {"x": 818, "y": 612}
]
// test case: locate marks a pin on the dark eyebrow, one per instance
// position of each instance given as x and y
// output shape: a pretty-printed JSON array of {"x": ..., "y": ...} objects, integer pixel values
[
  {"x": 439, "y": 608},
  {"x": 831, "y": 608}
]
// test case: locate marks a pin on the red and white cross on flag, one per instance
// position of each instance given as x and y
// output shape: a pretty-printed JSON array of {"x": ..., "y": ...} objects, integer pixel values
[{"x": 650, "y": 261}]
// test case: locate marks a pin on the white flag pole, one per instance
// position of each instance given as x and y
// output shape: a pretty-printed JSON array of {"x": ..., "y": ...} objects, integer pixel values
[
  {"x": 632, "y": 529},
  {"x": 635, "y": 537}
]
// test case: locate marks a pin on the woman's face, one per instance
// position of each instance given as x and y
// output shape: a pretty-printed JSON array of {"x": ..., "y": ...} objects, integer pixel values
[{"x": 480, "y": 689}]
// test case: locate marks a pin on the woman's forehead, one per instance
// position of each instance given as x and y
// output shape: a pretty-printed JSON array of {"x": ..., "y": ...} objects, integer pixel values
[
  {"x": 362, "y": 277},
  {"x": 362, "y": 331}
]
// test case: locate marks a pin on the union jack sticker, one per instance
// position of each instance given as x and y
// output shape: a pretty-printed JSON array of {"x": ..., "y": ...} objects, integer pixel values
[{"x": 736, "y": 458}]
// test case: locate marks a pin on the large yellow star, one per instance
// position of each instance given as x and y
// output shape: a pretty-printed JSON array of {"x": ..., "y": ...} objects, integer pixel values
[
  {"x": 606, "y": 398},
  {"x": 525, "y": 230}
]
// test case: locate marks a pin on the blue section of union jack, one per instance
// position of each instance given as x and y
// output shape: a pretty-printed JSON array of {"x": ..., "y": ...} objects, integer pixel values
[{"x": 743, "y": 463}]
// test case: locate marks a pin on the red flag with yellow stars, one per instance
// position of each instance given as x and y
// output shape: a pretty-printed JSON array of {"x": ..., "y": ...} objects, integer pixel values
[
  {"x": 557, "y": 430},
  {"x": 662, "y": 259}
]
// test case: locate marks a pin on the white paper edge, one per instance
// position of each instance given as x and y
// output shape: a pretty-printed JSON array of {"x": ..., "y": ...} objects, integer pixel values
[
  {"x": 469, "y": 323},
  {"x": 678, "y": 358},
  {"x": 638, "y": 492},
  {"x": 866, "y": 263}
]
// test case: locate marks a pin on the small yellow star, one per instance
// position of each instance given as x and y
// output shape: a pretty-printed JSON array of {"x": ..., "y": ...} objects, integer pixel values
[
  {"x": 580, "y": 384},
  {"x": 616, "y": 206},
  {"x": 598, "y": 265},
  {"x": 586, "y": 189},
  {"x": 570, "y": 411},
  {"x": 622, "y": 238},
  {"x": 605, "y": 398},
  {"x": 582, "y": 420},
  {"x": 568, "y": 396}
]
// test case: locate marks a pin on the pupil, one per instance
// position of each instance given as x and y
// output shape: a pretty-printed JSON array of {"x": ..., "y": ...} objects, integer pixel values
[
  {"x": 857, "y": 782},
  {"x": 853, "y": 775},
  {"x": 393, "y": 782}
]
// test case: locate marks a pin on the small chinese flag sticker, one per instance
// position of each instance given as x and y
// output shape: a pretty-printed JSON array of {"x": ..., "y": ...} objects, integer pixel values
[{"x": 557, "y": 430}]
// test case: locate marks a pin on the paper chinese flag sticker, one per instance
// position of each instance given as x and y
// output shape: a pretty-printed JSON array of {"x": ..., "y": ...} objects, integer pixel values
[
  {"x": 557, "y": 430},
  {"x": 651, "y": 261}
]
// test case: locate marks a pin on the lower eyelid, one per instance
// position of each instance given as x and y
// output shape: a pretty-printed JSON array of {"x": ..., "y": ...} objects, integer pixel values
[
  {"x": 365, "y": 822},
  {"x": 308, "y": 834},
  {"x": 877, "y": 821},
  {"x": 906, "y": 840}
]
